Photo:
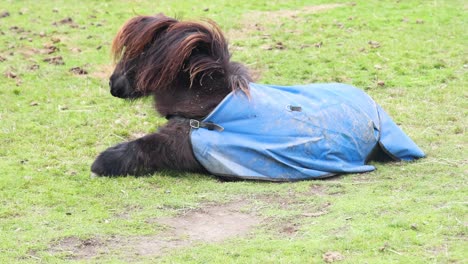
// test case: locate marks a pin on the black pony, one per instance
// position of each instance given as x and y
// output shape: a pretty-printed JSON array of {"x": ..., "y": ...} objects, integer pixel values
[
  {"x": 186, "y": 67},
  {"x": 258, "y": 131}
]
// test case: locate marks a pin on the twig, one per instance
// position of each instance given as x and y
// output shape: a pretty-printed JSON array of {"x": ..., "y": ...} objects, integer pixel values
[
  {"x": 119, "y": 136},
  {"x": 34, "y": 257},
  {"x": 394, "y": 251},
  {"x": 79, "y": 110}
]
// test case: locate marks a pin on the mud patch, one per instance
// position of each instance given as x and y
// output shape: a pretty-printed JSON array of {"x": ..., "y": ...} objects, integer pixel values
[{"x": 207, "y": 225}]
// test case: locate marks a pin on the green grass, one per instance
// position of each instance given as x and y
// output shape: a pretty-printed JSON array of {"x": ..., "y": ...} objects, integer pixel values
[{"x": 53, "y": 123}]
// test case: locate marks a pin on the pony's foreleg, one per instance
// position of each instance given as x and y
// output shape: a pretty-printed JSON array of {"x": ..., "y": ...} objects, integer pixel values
[{"x": 168, "y": 149}]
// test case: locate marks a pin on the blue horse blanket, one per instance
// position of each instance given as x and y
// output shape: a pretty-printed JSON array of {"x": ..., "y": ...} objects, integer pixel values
[{"x": 287, "y": 133}]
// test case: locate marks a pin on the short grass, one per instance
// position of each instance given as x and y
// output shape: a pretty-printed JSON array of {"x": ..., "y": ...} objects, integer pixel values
[{"x": 411, "y": 56}]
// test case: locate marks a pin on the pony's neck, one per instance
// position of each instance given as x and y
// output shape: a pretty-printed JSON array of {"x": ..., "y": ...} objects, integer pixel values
[{"x": 196, "y": 101}]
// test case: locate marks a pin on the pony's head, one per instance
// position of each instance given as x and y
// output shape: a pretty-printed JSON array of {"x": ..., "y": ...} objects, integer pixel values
[{"x": 157, "y": 53}]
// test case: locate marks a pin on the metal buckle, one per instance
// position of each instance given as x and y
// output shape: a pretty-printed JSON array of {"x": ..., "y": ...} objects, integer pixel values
[{"x": 194, "y": 123}]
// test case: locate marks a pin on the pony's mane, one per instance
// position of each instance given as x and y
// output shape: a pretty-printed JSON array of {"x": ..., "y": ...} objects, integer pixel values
[
  {"x": 136, "y": 33},
  {"x": 170, "y": 47}
]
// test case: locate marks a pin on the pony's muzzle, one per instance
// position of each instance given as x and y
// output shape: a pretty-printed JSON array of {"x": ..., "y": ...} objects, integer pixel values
[{"x": 120, "y": 86}]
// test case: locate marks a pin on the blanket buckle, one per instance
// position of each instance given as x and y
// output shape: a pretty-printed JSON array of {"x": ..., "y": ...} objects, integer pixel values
[{"x": 194, "y": 123}]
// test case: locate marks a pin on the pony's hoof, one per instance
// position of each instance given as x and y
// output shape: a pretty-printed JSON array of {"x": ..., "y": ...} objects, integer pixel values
[{"x": 119, "y": 160}]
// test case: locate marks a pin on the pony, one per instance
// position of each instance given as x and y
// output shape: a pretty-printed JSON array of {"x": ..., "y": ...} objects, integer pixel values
[{"x": 186, "y": 66}]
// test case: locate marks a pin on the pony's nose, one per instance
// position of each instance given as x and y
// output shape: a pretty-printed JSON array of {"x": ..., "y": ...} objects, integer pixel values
[
  {"x": 120, "y": 87},
  {"x": 116, "y": 92}
]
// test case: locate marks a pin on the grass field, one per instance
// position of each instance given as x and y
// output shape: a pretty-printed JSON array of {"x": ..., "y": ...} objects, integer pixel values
[{"x": 56, "y": 115}]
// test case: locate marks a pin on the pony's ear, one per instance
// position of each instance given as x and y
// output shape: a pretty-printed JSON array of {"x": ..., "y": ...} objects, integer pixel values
[
  {"x": 198, "y": 48},
  {"x": 239, "y": 78},
  {"x": 137, "y": 33}
]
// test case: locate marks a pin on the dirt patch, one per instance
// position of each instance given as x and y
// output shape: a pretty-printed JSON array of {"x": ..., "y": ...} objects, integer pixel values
[
  {"x": 57, "y": 60},
  {"x": 78, "y": 71},
  {"x": 304, "y": 210},
  {"x": 66, "y": 21},
  {"x": 252, "y": 21},
  {"x": 332, "y": 256},
  {"x": 294, "y": 13},
  {"x": 4, "y": 14},
  {"x": 213, "y": 224},
  {"x": 318, "y": 190},
  {"x": 210, "y": 224},
  {"x": 76, "y": 248},
  {"x": 289, "y": 229},
  {"x": 103, "y": 72}
]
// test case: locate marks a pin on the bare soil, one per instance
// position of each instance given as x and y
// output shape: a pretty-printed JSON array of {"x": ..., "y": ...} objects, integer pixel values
[
  {"x": 208, "y": 224},
  {"x": 252, "y": 21},
  {"x": 211, "y": 224}
]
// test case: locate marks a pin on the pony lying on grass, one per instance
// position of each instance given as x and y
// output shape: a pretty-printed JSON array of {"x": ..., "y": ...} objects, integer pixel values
[{"x": 222, "y": 123}]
